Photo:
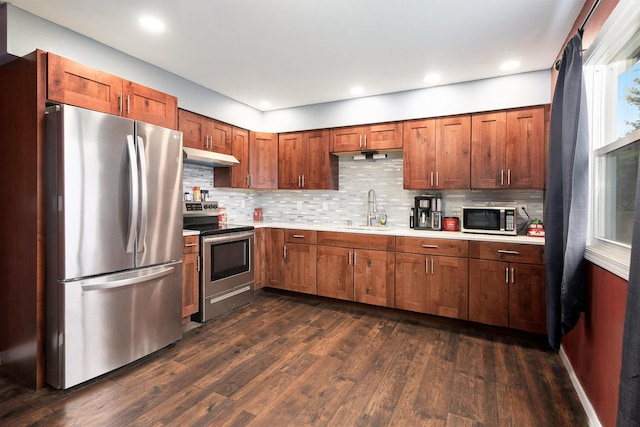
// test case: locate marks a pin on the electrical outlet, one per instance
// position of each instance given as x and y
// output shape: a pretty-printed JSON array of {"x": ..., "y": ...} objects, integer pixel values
[
  {"x": 242, "y": 203},
  {"x": 299, "y": 204},
  {"x": 325, "y": 206}
]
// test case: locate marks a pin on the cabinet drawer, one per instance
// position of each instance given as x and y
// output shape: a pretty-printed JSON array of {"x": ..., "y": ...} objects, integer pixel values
[
  {"x": 510, "y": 252},
  {"x": 300, "y": 236},
  {"x": 446, "y": 247},
  {"x": 191, "y": 244},
  {"x": 357, "y": 240}
]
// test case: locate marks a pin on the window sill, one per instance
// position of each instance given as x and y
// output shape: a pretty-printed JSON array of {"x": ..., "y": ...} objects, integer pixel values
[{"x": 612, "y": 258}]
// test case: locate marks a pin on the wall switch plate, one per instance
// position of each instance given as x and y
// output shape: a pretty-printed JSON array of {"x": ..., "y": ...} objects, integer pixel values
[{"x": 299, "y": 204}]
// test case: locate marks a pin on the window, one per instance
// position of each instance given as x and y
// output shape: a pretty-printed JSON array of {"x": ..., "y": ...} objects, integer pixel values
[{"x": 612, "y": 77}]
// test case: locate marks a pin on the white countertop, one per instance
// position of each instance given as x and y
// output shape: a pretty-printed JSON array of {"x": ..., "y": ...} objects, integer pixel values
[
  {"x": 190, "y": 233},
  {"x": 399, "y": 231}
]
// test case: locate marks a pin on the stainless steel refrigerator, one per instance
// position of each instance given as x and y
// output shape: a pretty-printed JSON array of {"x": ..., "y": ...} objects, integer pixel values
[{"x": 114, "y": 242}]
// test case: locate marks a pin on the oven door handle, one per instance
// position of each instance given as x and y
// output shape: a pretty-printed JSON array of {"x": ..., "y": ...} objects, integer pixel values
[{"x": 230, "y": 237}]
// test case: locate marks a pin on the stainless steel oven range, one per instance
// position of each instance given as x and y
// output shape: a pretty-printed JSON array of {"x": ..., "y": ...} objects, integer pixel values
[{"x": 226, "y": 253}]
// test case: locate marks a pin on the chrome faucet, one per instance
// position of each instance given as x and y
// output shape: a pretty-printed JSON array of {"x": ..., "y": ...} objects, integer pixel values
[{"x": 372, "y": 209}]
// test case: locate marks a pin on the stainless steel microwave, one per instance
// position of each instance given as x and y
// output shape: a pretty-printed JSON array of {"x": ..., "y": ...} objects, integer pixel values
[{"x": 489, "y": 220}]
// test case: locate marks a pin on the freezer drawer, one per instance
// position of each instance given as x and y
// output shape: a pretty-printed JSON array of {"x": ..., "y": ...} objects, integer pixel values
[{"x": 107, "y": 322}]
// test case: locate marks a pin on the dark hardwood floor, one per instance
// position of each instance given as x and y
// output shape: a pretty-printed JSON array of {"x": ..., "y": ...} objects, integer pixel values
[{"x": 296, "y": 361}]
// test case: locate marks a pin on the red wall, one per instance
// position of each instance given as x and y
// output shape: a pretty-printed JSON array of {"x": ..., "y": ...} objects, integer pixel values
[{"x": 594, "y": 346}]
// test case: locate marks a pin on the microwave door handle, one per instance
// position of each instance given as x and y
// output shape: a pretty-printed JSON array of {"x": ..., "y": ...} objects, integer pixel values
[
  {"x": 144, "y": 206},
  {"x": 133, "y": 195}
]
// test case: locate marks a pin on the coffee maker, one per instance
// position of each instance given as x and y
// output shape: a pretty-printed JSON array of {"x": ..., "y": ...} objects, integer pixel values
[{"x": 428, "y": 213}]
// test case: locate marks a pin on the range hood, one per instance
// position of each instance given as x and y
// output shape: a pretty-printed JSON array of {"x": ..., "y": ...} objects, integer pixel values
[{"x": 208, "y": 158}]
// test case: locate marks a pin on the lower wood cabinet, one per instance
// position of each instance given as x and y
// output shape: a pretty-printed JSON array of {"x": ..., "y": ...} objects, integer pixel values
[
  {"x": 432, "y": 284},
  {"x": 508, "y": 286},
  {"x": 190, "y": 275},
  {"x": 300, "y": 261},
  {"x": 259, "y": 269},
  {"x": 274, "y": 257}
]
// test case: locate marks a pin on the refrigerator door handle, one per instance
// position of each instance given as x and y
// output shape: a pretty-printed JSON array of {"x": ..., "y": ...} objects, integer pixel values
[
  {"x": 133, "y": 195},
  {"x": 144, "y": 205},
  {"x": 127, "y": 281}
]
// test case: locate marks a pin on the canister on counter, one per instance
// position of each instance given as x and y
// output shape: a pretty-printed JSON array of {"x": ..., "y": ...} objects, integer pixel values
[
  {"x": 257, "y": 214},
  {"x": 196, "y": 194},
  {"x": 451, "y": 223}
]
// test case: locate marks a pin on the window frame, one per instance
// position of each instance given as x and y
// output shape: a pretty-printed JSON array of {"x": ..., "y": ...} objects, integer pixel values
[{"x": 623, "y": 24}]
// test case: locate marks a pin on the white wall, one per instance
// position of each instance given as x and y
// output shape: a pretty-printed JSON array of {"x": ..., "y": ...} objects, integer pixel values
[{"x": 25, "y": 33}]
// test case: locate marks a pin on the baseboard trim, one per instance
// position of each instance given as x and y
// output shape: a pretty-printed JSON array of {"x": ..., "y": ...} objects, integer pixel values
[{"x": 586, "y": 404}]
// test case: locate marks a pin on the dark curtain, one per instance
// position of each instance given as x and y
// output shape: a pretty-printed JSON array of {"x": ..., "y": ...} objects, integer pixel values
[
  {"x": 565, "y": 210},
  {"x": 629, "y": 392}
]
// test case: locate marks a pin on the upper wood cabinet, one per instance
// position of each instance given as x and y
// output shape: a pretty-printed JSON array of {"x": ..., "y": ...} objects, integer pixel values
[
  {"x": 436, "y": 153},
  {"x": 69, "y": 82},
  {"x": 238, "y": 175},
  {"x": 263, "y": 160},
  {"x": 383, "y": 136},
  {"x": 508, "y": 149},
  {"x": 204, "y": 133},
  {"x": 305, "y": 161}
]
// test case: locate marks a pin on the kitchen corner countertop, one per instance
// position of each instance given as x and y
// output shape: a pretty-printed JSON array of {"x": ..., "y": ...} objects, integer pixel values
[
  {"x": 400, "y": 231},
  {"x": 190, "y": 233}
]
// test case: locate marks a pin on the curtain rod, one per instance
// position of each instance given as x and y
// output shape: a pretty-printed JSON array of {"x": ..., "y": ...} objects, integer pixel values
[{"x": 594, "y": 6}]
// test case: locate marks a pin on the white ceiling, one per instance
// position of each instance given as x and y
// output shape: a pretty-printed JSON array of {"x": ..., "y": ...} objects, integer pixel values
[{"x": 300, "y": 52}]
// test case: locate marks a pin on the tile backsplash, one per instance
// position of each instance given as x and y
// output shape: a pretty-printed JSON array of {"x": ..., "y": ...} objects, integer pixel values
[{"x": 350, "y": 201}]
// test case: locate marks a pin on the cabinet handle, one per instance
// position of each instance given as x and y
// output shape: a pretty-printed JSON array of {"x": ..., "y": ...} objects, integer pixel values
[
  {"x": 360, "y": 141},
  {"x": 430, "y": 246},
  {"x": 120, "y": 103},
  {"x": 506, "y": 252},
  {"x": 299, "y": 181},
  {"x": 298, "y": 236},
  {"x": 285, "y": 251},
  {"x": 355, "y": 259},
  {"x": 128, "y": 105},
  {"x": 513, "y": 274},
  {"x": 350, "y": 254},
  {"x": 365, "y": 140},
  {"x": 198, "y": 262},
  {"x": 426, "y": 265},
  {"x": 302, "y": 181},
  {"x": 506, "y": 275},
  {"x": 189, "y": 245},
  {"x": 509, "y": 177},
  {"x": 502, "y": 177},
  {"x": 433, "y": 270},
  {"x": 432, "y": 178},
  {"x": 437, "y": 179}
]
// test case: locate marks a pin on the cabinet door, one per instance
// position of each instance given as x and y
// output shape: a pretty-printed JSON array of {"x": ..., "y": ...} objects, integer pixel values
[
  {"x": 193, "y": 129},
  {"x": 488, "y": 292},
  {"x": 335, "y": 272},
  {"x": 412, "y": 282},
  {"x": 453, "y": 162},
  {"x": 419, "y": 154},
  {"x": 300, "y": 268},
  {"x": 322, "y": 167},
  {"x": 274, "y": 257},
  {"x": 263, "y": 160},
  {"x": 449, "y": 287},
  {"x": 190, "y": 276},
  {"x": 150, "y": 106},
  {"x": 240, "y": 149},
  {"x": 293, "y": 161},
  {"x": 373, "y": 277},
  {"x": 220, "y": 137},
  {"x": 527, "y": 298},
  {"x": 69, "y": 82},
  {"x": 488, "y": 140},
  {"x": 259, "y": 265},
  {"x": 383, "y": 136},
  {"x": 525, "y": 150},
  {"x": 347, "y": 139}
]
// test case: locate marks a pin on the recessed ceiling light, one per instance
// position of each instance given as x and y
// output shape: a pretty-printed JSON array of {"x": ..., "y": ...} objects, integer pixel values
[
  {"x": 510, "y": 65},
  {"x": 357, "y": 90},
  {"x": 151, "y": 24},
  {"x": 432, "y": 78}
]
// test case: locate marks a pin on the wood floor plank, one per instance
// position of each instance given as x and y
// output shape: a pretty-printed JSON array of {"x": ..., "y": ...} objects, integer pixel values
[{"x": 291, "y": 360}]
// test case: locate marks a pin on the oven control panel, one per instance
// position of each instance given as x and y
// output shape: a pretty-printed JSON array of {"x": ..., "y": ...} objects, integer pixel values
[{"x": 200, "y": 208}]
